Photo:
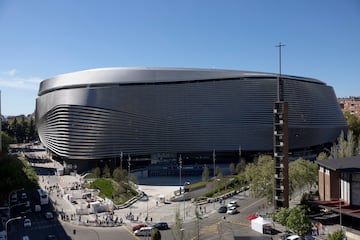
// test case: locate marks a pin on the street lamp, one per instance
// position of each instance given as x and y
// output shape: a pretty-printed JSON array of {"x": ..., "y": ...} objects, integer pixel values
[
  {"x": 129, "y": 164},
  {"x": 180, "y": 166},
  {"x": 6, "y": 224},
  {"x": 214, "y": 159}
]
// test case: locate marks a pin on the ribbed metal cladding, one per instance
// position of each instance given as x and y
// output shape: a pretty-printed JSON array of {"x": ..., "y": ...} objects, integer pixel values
[{"x": 100, "y": 120}]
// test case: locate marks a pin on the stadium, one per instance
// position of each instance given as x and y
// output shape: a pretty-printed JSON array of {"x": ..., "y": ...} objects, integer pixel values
[{"x": 158, "y": 113}]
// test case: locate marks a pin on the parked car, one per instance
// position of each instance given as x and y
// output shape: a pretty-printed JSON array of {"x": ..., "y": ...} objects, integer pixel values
[
  {"x": 144, "y": 231},
  {"x": 137, "y": 227},
  {"x": 49, "y": 215},
  {"x": 232, "y": 210},
  {"x": 27, "y": 223},
  {"x": 24, "y": 196},
  {"x": 51, "y": 237},
  {"x": 232, "y": 204},
  {"x": 222, "y": 209},
  {"x": 161, "y": 226},
  {"x": 294, "y": 237}
]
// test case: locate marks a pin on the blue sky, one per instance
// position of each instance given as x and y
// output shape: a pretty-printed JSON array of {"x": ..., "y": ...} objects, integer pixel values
[{"x": 40, "y": 39}]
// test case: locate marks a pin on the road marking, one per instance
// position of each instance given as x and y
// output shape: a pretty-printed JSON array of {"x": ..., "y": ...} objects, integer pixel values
[
  {"x": 242, "y": 209},
  {"x": 131, "y": 233}
]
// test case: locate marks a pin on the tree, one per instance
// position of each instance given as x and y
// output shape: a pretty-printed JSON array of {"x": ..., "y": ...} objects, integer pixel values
[
  {"x": 281, "y": 216},
  {"x": 297, "y": 220},
  {"x": 232, "y": 168},
  {"x": 302, "y": 173},
  {"x": 97, "y": 172},
  {"x": 353, "y": 123},
  {"x": 260, "y": 177},
  {"x": 155, "y": 234},
  {"x": 6, "y": 141},
  {"x": 197, "y": 215},
  {"x": 106, "y": 171},
  {"x": 344, "y": 147},
  {"x": 218, "y": 172},
  {"x": 294, "y": 219},
  {"x": 240, "y": 167},
  {"x": 337, "y": 235},
  {"x": 205, "y": 173},
  {"x": 177, "y": 230},
  {"x": 321, "y": 156},
  {"x": 119, "y": 174}
]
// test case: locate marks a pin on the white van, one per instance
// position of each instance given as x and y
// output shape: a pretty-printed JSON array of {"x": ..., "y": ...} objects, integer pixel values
[{"x": 144, "y": 231}]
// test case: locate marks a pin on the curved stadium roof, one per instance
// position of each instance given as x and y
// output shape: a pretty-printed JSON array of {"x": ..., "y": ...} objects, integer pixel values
[{"x": 123, "y": 76}]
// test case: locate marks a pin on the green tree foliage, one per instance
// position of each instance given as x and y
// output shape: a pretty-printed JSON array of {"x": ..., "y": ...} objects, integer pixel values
[
  {"x": 260, "y": 177},
  {"x": 294, "y": 218},
  {"x": 297, "y": 220},
  {"x": 240, "y": 166},
  {"x": 197, "y": 215},
  {"x": 119, "y": 174},
  {"x": 232, "y": 168},
  {"x": 353, "y": 123},
  {"x": 344, "y": 147},
  {"x": 177, "y": 229},
  {"x": 218, "y": 172},
  {"x": 205, "y": 173},
  {"x": 97, "y": 172},
  {"x": 6, "y": 141},
  {"x": 15, "y": 173},
  {"x": 155, "y": 234},
  {"x": 302, "y": 173},
  {"x": 321, "y": 156},
  {"x": 106, "y": 171},
  {"x": 337, "y": 235},
  {"x": 281, "y": 216},
  {"x": 22, "y": 129}
]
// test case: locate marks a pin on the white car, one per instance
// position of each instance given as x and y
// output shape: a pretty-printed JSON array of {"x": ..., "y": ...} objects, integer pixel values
[
  {"x": 232, "y": 210},
  {"x": 144, "y": 231},
  {"x": 232, "y": 204},
  {"x": 27, "y": 223},
  {"x": 294, "y": 237}
]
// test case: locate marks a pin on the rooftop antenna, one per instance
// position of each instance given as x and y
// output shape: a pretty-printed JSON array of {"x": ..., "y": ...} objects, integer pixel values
[{"x": 280, "y": 87}]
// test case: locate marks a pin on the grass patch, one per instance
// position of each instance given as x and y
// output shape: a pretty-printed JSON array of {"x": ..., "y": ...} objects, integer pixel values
[{"x": 118, "y": 192}]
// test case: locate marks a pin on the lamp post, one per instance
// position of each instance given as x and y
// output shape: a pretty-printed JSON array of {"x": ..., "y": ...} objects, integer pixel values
[
  {"x": 180, "y": 166},
  {"x": 6, "y": 224},
  {"x": 214, "y": 159},
  {"x": 129, "y": 164},
  {"x": 121, "y": 159}
]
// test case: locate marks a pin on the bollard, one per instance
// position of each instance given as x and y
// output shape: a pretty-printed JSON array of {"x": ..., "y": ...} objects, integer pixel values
[{"x": 74, "y": 231}]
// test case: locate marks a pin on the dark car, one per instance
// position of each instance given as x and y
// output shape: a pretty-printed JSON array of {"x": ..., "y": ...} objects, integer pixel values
[
  {"x": 161, "y": 226},
  {"x": 222, "y": 209}
]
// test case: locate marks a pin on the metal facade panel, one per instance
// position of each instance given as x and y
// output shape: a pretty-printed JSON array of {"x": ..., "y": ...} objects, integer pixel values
[{"x": 191, "y": 116}]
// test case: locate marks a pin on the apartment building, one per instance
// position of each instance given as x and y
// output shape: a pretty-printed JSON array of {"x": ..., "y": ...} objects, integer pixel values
[{"x": 350, "y": 104}]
